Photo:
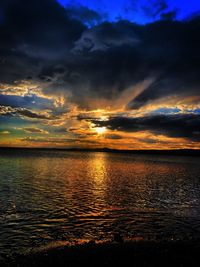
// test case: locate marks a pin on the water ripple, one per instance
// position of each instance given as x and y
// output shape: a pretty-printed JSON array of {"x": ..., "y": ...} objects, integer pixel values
[{"x": 67, "y": 196}]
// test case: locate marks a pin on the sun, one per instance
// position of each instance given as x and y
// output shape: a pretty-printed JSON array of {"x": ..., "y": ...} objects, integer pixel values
[{"x": 100, "y": 130}]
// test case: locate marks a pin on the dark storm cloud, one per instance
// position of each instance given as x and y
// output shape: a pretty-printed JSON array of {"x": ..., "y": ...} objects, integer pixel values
[
  {"x": 42, "y": 41},
  {"x": 31, "y": 31},
  {"x": 39, "y": 23},
  {"x": 22, "y": 112},
  {"x": 178, "y": 125},
  {"x": 108, "y": 35},
  {"x": 112, "y": 57}
]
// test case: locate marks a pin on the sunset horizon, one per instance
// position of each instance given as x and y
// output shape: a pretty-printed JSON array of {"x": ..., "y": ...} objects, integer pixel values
[
  {"x": 81, "y": 78},
  {"x": 99, "y": 133}
]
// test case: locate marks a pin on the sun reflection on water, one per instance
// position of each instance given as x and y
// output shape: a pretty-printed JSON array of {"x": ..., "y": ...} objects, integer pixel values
[{"x": 97, "y": 169}]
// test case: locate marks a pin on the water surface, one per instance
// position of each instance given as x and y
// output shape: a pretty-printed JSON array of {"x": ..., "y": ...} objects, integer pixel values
[{"x": 48, "y": 196}]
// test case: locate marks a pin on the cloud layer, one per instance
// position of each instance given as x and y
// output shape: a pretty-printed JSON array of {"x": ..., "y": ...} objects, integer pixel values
[
  {"x": 56, "y": 63},
  {"x": 179, "y": 125}
]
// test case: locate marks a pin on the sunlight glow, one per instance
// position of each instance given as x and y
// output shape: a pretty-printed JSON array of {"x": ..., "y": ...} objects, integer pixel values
[{"x": 100, "y": 130}]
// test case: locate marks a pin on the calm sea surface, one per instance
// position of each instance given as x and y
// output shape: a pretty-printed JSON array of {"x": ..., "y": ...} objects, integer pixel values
[{"x": 49, "y": 196}]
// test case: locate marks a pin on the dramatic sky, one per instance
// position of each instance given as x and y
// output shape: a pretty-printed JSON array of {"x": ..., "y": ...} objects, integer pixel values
[{"x": 120, "y": 74}]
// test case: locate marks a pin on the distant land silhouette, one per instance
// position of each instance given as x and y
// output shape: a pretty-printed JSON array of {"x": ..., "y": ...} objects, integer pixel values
[{"x": 176, "y": 152}]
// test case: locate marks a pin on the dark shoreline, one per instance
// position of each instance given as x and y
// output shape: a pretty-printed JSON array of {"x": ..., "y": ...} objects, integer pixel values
[
  {"x": 177, "y": 152},
  {"x": 134, "y": 253}
]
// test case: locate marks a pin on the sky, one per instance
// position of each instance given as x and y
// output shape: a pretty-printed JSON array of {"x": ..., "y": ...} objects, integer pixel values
[
  {"x": 96, "y": 74},
  {"x": 140, "y": 11}
]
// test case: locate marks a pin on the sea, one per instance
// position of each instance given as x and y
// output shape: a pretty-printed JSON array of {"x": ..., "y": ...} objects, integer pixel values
[{"x": 50, "y": 196}]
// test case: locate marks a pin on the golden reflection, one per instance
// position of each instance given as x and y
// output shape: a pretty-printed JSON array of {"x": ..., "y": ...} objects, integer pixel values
[{"x": 97, "y": 169}]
